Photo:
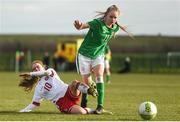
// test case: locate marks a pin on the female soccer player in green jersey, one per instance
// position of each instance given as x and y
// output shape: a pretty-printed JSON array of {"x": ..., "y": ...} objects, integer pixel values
[{"x": 90, "y": 57}]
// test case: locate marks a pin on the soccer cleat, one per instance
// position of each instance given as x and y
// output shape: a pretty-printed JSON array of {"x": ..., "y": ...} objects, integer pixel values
[
  {"x": 92, "y": 89},
  {"x": 92, "y": 84},
  {"x": 101, "y": 110}
]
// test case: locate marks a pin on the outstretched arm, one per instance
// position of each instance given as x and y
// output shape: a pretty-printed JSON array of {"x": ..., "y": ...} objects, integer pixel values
[
  {"x": 79, "y": 25},
  {"x": 37, "y": 98},
  {"x": 38, "y": 73}
]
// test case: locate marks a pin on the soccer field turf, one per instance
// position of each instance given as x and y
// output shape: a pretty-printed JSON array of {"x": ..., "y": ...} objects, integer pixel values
[{"x": 123, "y": 97}]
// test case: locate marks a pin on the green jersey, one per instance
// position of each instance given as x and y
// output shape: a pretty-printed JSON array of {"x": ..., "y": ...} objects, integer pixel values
[{"x": 97, "y": 38}]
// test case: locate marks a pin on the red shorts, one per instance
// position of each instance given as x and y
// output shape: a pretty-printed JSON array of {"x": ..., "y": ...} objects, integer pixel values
[{"x": 65, "y": 103}]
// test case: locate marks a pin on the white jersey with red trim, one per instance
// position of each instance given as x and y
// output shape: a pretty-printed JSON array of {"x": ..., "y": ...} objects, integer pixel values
[{"x": 49, "y": 87}]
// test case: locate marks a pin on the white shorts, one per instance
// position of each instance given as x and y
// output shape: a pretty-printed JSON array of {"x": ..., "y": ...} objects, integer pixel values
[
  {"x": 106, "y": 64},
  {"x": 85, "y": 65}
]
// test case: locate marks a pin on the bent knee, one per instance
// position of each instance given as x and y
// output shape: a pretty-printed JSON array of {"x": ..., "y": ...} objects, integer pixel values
[
  {"x": 74, "y": 84},
  {"x": 74, "y": 87},
  {"x": 75, "y": 81}
]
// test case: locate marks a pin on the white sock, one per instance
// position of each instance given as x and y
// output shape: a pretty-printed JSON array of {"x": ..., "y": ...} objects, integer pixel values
[
  {"x": 89, "y": 110},
  {"x": 83, "y": 88},
  {"x": 99, "y": 79}
]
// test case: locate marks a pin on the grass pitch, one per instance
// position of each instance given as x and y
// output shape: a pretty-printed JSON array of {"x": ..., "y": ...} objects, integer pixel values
[{"x": 123, "y": 97}]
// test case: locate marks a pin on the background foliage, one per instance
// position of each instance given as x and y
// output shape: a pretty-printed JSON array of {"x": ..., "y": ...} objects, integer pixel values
[{"x": 147, "y": 53}]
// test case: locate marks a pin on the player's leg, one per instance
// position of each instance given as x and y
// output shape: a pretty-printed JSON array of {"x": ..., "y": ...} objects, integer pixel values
[
  {"x": 92, "y": 90},
  {"x": 84, "y": 98},
  {"x": 76, "y": 87},
  {"x": 98, "y": 70},
  {"x": 83, "y": 65},
  {"x": 76, "y": 109}
]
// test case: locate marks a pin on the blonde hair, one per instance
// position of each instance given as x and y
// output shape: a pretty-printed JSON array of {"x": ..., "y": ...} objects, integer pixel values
[
  {"x": 104, "y": 14},
  {"x": 29, "y": 82},
  {"x": 38, "y": 61},
  {"x": 115, "y": 8}
]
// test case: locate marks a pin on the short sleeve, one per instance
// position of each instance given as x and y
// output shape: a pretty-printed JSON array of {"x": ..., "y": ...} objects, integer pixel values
[{"x": 93, "y": 24}]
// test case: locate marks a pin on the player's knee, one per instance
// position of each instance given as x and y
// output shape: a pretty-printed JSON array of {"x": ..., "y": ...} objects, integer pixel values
[
  {"x": 74, "y": 83},
  {"x": 86, "y": 78},
  {"x": 99, "y": 72},
  {"x": 99, "y": 79},
  {"x": 74, "y": 87}
]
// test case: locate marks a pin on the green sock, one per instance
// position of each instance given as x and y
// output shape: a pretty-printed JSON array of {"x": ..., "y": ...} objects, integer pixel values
[
  {"x": 84, "y": 100},
  {"x": 107, "y": 78},
  {"x": 100, "y": 89}
]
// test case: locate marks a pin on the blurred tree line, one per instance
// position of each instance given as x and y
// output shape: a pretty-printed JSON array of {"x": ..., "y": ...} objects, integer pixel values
[
  {"x": 147, "y": 53},
  {"x": 119, "y": 44}
]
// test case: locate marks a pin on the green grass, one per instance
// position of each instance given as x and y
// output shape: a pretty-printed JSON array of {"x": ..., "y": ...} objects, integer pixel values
[{"x": 122, "y": 97}]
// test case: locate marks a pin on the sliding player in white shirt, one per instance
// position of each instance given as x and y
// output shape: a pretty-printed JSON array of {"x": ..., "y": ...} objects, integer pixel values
[{"x": 49, "y": 86}]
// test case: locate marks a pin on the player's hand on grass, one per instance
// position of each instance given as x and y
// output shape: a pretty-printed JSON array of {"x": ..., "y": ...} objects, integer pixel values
[{"x": 24, "y": 111}]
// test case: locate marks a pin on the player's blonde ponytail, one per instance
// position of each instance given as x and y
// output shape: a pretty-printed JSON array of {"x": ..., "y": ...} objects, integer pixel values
[
  {"x": 125, "y": 30},
  {"x": 28, "y": 83}
]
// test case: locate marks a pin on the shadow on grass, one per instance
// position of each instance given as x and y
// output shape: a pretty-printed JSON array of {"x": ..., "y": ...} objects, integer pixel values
[
  {"x": 16, "y": 112},
  {"x": 92, "y": 117}
]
